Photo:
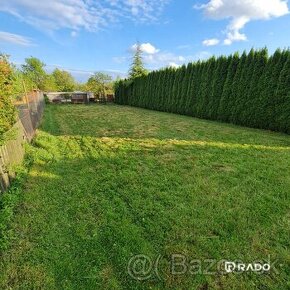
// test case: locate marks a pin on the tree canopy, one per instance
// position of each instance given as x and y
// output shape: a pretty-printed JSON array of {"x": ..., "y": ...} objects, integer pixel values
[
  {"x": 34, "y": 72},
  {"x": 100, "y": 84},
  {"x": 137, "y": 67},
  {"x": 64, "y": 81}
]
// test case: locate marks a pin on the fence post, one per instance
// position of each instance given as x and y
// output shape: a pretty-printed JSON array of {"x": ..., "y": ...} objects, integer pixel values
[{"x": 25, "y": 93}]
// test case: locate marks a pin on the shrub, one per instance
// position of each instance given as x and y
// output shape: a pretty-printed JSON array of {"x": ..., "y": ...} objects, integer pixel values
[{"x": 7, "y": 109}]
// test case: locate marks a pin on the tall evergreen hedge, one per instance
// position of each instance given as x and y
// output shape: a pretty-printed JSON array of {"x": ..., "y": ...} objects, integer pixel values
[{"x": 251, "y": 89}]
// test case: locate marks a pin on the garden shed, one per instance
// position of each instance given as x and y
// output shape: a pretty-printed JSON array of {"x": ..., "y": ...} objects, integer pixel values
[
  {"x": 73, "y": 97},
  {"x": 80, "y": 98}
]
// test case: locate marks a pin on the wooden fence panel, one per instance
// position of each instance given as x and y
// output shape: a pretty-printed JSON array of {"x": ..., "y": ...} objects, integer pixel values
[{"x": 12, "y": 152}]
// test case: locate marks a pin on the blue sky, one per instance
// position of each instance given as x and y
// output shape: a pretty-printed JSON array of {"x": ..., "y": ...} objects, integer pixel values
[{"x": 84, "y": 36}]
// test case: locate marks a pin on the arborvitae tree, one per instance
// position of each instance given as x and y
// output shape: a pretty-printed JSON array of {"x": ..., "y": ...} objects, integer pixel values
[
  {"x": 236, "y": 88},
  {"x": 167, "y": 89},
  {"x": 173, "y": 89},
  {"x": 202, "y": 89},
  {"x": 209, "y": 87},
  {"x": 264, "y": 87},
  {"x": 155, "y": 99},
  {"x": 180, "y": 90},
  {"x": 162, "y": 89},
  {"x": 134, "y": 96},
  {"x": 224, "y": 110},
  {"x": 219, "y": 78},
  {"x": 128, "y": 93},
  {"x": 245, "y": 97},
  {"x": 159, "y": 90},
  {"x": 214, "y": 80},
  {"x": 155, "y": 85},
  {"x": 271, "y": 89},
  {"x": 190, "y": 87},
  {"x": 118, "y": 92},
  {"x": 196, "y": 87},
  {"x": 252, "y": 99},
  {"x": 151, "y": 90},
  {"x": 243, "y": 88},
  {"x": 137, "y": 68},
  {"x": 138, "y": 93},
  {"x": 144, "y": 90},
  {"x": 185, "y": 85},
  {"x": 170, "y": 84},
  {"x": 281, "y": 114},
  {"x": 176, "y": 86}
]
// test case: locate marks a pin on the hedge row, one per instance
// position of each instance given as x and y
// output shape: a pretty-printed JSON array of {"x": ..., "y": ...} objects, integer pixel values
[
  {"x": 250, "y": 89},
  {"x": 7, "y": 109}
]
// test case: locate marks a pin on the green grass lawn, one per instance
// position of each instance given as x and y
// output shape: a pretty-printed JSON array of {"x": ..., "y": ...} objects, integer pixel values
[{"x": 110, "y": 182}]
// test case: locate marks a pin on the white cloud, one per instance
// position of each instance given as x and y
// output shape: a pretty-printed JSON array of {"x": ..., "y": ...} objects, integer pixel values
[
  {"x": 141, "y": 10},
  {"x": 211, "y": 42},
  {"x": 146, "y": 48},
  {"x": 56, "y": 14},
  {"x": 15, "y": 38},
  {"x": 90, "y": 15},
  {"x": 155, "y": 58},
  {"x": 240, "y": 12},
  {"x": 164, "y": 58},
  {"x": 174, "y": 65},
  {"x": 202, "y": 55}
]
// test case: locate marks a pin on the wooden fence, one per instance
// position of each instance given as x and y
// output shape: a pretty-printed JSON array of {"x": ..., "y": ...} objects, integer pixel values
[{"x": 12, "y": 152}]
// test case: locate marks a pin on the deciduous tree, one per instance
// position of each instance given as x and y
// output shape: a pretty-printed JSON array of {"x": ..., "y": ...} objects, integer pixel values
[
  {"x": 7, "y": 109},
  {"x": 63, "y": 80},
  {"x": 100, "y": 84},
  {"x": 34, "y": 72}
]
